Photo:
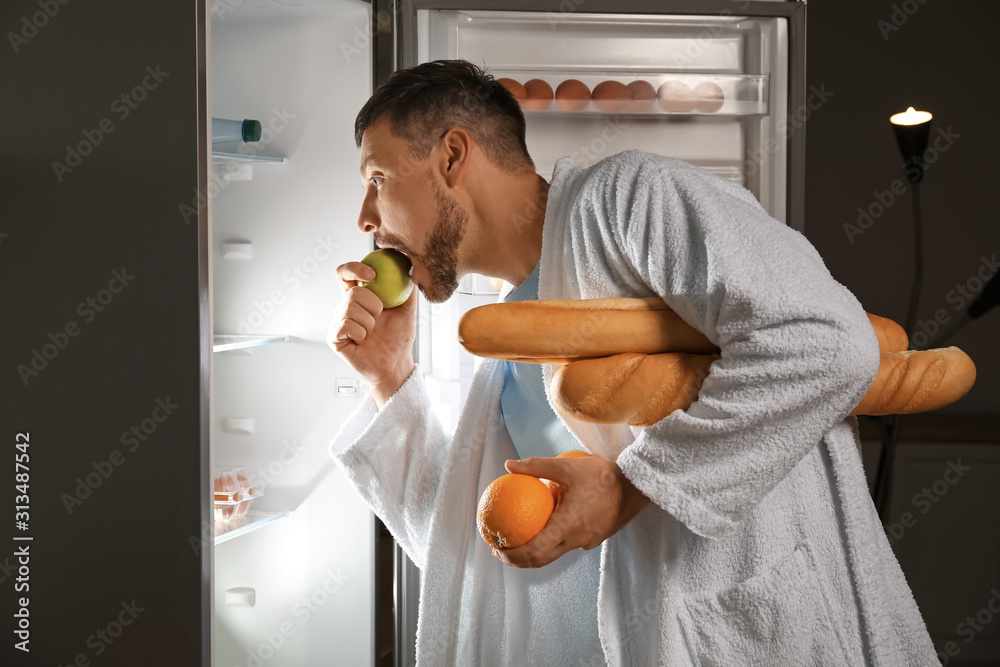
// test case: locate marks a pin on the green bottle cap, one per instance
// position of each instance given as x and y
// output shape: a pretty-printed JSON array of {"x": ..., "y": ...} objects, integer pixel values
[{"x": 251, "y": 130}]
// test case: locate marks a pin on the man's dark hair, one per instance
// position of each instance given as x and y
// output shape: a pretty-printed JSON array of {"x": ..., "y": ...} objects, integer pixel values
[{"x": 422, "y": 103}]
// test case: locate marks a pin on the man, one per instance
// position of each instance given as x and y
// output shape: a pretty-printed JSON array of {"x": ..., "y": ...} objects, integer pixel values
[{"x": 737, "y": 532}]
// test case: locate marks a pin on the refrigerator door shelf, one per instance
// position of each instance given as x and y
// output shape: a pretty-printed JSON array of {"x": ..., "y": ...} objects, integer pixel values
[
  {"x": 222, "y": 158},
  {"x": 229, "y": 342},
  {"x": 242, "y": 525},
  {"x": 227, "y": 167},
  {"x": 683, "y": 93}
]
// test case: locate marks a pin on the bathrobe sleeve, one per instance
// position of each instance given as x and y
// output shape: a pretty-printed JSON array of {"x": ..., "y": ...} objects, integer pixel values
[
  {"x": 797, "y": 350},
  {"x": 393, "y": 457}
]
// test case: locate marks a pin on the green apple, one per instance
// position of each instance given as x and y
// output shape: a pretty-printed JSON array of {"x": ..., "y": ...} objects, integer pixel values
[{"x": 392, "y": 282}]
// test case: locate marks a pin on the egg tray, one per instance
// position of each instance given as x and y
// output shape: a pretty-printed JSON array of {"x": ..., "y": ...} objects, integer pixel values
[
  {"x": 642, "y": 94},
  {"x": 232, "y": 494}
]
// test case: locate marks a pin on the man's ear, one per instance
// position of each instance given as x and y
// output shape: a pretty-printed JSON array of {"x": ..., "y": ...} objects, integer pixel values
[{"x": 454, "y": 156}]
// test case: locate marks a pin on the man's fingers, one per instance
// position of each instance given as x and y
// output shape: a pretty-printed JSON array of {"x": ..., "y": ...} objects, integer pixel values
[
  {"x": 365, "y": 298},
  {"x": 543, "y": 549},
  {"x": 357, "y": 320},
  {"x": 346, "y": 333},
  {"x": 560, "y": 534},
  {"x": 538, "y": 466},
  {"x": 358, "y": 314},
  {"x": 348, "y": 274}
]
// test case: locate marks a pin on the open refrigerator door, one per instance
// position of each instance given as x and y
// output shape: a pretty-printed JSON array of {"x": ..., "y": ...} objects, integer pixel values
[{"x": 293, "y": 544}]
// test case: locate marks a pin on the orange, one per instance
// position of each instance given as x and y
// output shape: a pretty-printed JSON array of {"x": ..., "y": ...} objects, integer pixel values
[
  {"x": 513, "y": 509},
  {"x": 574, "y": 454}
]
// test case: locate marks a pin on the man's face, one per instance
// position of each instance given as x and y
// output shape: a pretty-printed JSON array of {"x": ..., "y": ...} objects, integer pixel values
[{"x": 407, "y": 209}]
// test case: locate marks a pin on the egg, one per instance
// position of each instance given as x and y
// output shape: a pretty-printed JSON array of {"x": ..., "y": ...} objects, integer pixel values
[
  {"x": 710, "y": 97},
  {"x": 676, "y": 96},
  {"x": 572, "y": 95},
  {"x": 539, "y": 95},
  {"x": 515, "y": 88},
  {"x": 643, "y": 95},
  {"x": 611, "y": 96}
]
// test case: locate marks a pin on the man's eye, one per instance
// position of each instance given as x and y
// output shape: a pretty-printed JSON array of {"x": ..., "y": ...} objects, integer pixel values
[{"x": 377, "y": 182}]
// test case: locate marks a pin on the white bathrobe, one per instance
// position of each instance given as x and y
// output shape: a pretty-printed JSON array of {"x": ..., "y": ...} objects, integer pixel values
[{"x": 761, "y": 545}]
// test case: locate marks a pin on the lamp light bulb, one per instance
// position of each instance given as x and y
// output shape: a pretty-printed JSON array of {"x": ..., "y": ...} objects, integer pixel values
[{"x": 910, "y": 117}]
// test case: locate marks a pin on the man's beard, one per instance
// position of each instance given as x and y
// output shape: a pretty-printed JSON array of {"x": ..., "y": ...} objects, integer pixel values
[{"x": 441, "y": 252}]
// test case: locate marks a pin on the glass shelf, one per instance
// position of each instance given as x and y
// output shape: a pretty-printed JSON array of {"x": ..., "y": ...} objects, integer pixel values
[
  {"x": 221, "y": 157},
  {"x": 244, "y": 524},
  {"x": 227, "y": 342}
]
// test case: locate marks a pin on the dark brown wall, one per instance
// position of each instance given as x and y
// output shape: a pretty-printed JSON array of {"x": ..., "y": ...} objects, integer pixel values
[{"x": 942, "y": 59}]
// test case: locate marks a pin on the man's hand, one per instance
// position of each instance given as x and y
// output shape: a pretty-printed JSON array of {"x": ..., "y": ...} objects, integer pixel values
[
  {"x": 376, "y": 342},
  {"x": 596, "y": 501}
]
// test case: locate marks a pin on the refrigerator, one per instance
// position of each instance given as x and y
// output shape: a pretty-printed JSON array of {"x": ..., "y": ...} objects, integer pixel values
[{"x": 169, "y": 326}]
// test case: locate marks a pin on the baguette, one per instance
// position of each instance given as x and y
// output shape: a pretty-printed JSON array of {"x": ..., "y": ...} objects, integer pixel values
[
  {"x": 558, "y": 331},
  {"x": 640, "y": 390},
  {"x": 634, "y": 389},
  {"x": 891, "y": 336},
  {"x": 917, "y": 381}
]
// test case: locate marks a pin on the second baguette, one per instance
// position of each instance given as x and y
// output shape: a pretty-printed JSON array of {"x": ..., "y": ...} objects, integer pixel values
[
  {"x": 917, "y": 381},
  {"x": 640, "y": 390},
  {"x": 634, "y": 389}
]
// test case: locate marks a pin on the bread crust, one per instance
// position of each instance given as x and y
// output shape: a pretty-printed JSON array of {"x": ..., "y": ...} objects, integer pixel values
[
  {"x": 557, "y": 331},
  {"x": 634, "y": 361},
  {"x": 917, "y": 381},
  {"x": 634, "y": 389}
]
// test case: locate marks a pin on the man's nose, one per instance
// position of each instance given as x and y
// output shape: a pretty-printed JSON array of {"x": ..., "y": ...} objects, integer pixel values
[{"x": 368, "y": 220}]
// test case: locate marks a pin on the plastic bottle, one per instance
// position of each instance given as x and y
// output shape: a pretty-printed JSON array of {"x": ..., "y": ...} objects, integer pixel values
[{"x": 234, "y": 130}]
